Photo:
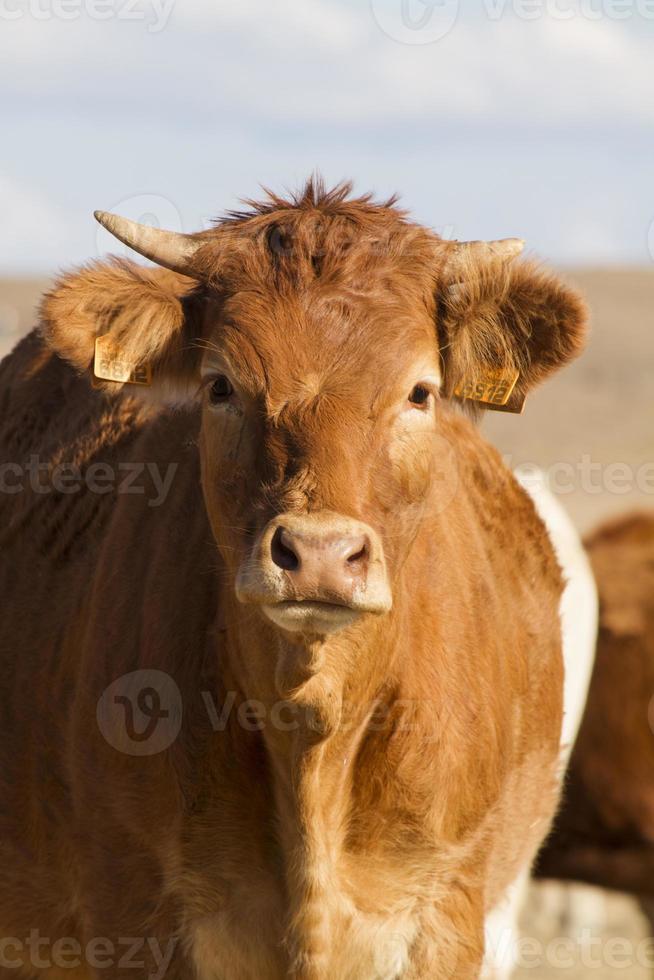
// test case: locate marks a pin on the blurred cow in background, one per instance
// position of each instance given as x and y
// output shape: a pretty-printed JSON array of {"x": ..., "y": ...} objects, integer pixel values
[{"x": 604, "y": 834}]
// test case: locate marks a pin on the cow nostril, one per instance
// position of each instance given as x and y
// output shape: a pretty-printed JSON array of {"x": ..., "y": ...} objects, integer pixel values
[
  {"x": 359, "y": 553},
  {"x": 282, "y": 554}
]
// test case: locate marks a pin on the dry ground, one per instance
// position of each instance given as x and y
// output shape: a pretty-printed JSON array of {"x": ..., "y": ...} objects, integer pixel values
[
  {"x": 592, "y": 428},
  {"x": 574, "y": 932},
  {"x": 18, "y": 298}
]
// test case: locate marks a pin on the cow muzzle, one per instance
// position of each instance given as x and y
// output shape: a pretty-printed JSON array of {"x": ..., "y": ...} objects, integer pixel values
[{"x": 315, "y": 573}]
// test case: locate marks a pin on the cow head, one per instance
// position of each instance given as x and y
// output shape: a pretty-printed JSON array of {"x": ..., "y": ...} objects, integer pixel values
[{"x": 323, "y": 338}]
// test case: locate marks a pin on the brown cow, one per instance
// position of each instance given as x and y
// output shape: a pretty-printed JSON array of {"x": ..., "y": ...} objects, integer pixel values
[
  {"x": 302, "y": 719},
  {"x": 604, "y": 834}
]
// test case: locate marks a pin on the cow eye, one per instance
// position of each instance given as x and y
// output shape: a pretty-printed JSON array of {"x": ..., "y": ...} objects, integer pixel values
[
  {"x": 419, "y": 396},
  {"x": 221, "y": 390}
]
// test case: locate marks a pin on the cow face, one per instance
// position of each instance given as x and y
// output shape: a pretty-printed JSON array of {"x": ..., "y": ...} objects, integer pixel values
[
  {"x": 323, "y": 338},
  {"x": 318, "y": 441}
]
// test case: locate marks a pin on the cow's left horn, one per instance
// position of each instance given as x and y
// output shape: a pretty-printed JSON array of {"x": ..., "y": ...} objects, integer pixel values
[
  {"x": 505, "y": 247},
  {"x": 171, "y": 249}
]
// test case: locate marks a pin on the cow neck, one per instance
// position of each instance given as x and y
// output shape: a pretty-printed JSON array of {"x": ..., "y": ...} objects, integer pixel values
[
  {"x": 336, "y": 688},
  {"x": 322, "y": 689}
]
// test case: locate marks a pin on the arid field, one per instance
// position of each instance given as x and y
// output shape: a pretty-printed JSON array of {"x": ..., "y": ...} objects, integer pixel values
[{"x": 592, "y": 430}]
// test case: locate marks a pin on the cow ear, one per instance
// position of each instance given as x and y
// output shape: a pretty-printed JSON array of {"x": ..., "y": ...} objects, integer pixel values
[
  {"x": 148, "y": 318},
  {"x": 504, "y": 325}
]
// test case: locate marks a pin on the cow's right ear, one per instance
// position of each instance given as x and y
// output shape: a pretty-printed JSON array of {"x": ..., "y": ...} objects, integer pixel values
[{"x": 150, "y": 317}]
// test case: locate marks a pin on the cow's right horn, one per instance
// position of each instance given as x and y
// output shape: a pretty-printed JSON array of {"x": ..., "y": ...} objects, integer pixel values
[{"x": 171, "y": 249}]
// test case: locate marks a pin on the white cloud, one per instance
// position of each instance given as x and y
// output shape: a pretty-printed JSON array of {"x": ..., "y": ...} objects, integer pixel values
[
  {"x": 503, "y": 126},
  {"x": 321, "y": 62}
]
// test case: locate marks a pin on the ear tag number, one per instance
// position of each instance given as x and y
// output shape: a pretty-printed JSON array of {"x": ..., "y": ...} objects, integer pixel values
[
  {"x": 492, "y": 388},
  {"x": 111, "y": 364}
]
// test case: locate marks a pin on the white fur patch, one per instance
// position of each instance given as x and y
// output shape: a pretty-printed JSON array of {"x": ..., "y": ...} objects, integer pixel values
[
  {"x": 579, "y": 605},
  {"x": 579, "y": 621}
]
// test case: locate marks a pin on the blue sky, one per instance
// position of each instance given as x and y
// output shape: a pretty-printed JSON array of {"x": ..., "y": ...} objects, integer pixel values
[{"x": 532, "y": 118}]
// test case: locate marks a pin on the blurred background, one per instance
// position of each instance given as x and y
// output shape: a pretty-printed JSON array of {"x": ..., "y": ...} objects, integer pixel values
[
  {"x": 532, "y": 118},
  {"x": 499, "y": 117}
]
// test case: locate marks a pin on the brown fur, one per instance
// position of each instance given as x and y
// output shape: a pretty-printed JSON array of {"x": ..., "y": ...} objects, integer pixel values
[
  {"x": 604, "y": 834},
  {"x": 355, "y": 845}
]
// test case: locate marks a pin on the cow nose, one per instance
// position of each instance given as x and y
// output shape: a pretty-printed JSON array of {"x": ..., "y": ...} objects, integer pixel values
[
  {"x": 321, "y": 561},
  {"x": 315, "y": 573}
]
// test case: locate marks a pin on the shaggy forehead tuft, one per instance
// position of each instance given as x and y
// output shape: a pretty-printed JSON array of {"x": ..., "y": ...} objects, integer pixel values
[
  {"x": 323, "y": 235},
  {"x": 315, "y": 195}
]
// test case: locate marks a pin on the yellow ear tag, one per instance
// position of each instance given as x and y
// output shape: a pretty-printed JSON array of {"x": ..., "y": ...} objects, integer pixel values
[
  {"x": 110, "y": 364},
  {"x": 493, "y": 388}
]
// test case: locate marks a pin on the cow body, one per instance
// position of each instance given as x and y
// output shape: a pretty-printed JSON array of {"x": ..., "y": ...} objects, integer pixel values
[
  {"x": 254, "y": 801},
  {"x": 203, "y": 821}
]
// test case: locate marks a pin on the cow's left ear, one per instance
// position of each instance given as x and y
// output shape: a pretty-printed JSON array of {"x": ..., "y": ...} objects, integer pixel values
[{"x": 504, "y": 324}]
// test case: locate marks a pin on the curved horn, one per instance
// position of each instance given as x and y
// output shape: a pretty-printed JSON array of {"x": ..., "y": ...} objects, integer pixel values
[
  {"x": 171, "y": 249},
  {"x": 505, "y": 247}
]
